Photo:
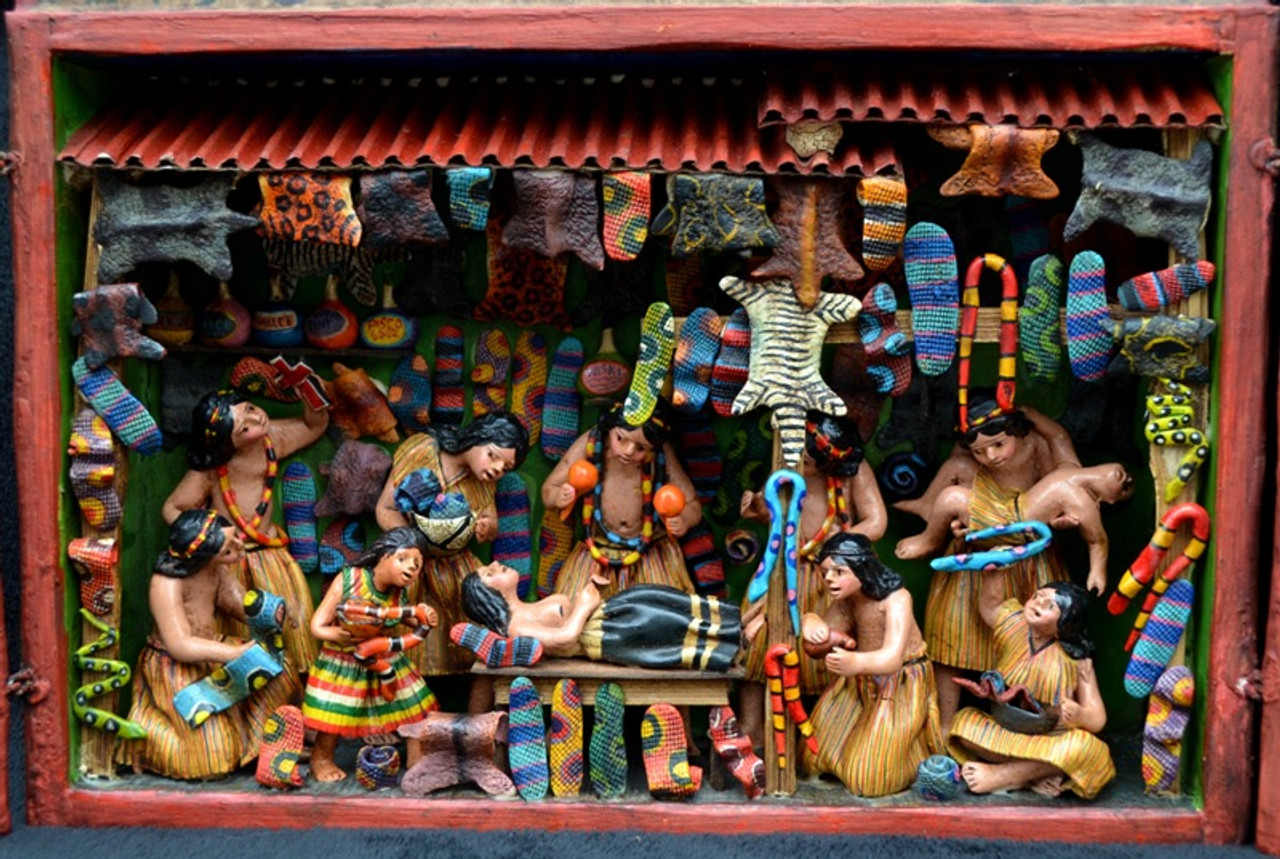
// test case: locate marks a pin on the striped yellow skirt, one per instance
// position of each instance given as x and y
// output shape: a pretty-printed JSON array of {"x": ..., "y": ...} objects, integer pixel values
[
  {"x": 274, "y": 570},
  {"x": 661, "y": 564},
  {"x": 1084, "y": 758}
]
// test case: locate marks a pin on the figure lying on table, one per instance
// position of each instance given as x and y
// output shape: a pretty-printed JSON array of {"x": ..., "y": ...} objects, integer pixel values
[{"x": 646, "y": 626}]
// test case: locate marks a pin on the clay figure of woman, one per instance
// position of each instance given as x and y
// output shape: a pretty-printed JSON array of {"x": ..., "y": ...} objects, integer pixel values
[
  {"x": 468, "y": 460},
  {"x": 348, "y": 696},
  {"x": 841, "y": 495},
  {"x": 1042, "y": 645},
  {"x": 646, "y": 626},
  {"x": 194, "y": 583},
  {"x": 879, "y": 718},
  {"x": 626, "y": 542},
  {"x": 233, "y": 458}
]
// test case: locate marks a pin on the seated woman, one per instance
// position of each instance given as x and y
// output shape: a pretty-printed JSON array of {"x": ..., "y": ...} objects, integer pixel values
[
  {"x": 1041, "y": 645},
  {"x": 879, "y": 718},
  {"x": 646, "y": 626},
  {"x": 195, "y": 580}
]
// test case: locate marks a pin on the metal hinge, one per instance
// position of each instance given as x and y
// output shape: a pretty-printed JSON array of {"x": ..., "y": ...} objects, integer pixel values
[
  {"x": 26, "y": 684},
  {"x": 1265, "y": 156},
  {"x": 9, "y": 161}
]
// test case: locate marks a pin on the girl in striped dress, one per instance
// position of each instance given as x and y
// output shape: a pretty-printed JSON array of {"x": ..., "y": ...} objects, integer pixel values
[
  {"x": 879, "y": 718},
  {"x": 346, "y": 695},
  {"x": 1041, "y": 645}
]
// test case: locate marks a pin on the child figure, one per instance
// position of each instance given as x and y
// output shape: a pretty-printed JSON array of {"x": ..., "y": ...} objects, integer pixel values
[
  {"x": 625, "y": 542},
  {"x": 362, "y": 683},
  {"x": 647, "y": 626},
  {"x": 194, "y": 582},
  {"x": 1041, "y": 645},
  {"x": 1006, "y": 453},
  {"x": 879, "y": 718},
  {"x": 234, "y": 455},
  {"x": 469, "y": 460},
  {"x": 841, "y": 494}
]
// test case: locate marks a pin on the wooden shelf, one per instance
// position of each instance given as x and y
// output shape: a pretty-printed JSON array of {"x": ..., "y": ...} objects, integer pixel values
[{"x": 272, "y": 351}]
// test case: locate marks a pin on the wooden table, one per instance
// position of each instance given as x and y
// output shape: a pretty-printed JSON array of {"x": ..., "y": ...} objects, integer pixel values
[{"x": 641, "y": 686}]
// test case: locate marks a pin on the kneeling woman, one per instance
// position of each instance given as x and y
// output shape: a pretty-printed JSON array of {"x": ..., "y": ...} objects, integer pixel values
[
  {"x": 879, "y": 718},
  {"x": 646, "y": 626}
]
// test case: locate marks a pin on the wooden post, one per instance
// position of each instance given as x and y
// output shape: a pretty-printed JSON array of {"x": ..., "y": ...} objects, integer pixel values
[{"x": 779, "y": 780}]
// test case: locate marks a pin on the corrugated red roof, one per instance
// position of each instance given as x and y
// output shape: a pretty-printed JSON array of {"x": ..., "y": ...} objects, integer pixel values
[
  {"x": 1159, "y": 93},
  {"x": 608, "y": 122}
]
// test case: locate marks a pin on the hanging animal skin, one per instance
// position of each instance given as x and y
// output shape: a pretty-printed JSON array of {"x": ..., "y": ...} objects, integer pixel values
[
  {"x": 1003, "y": 159},
  {"x": 786, "y": 349},
  {"x": 109, "y": 323},
  {"x": 709, "y": 213},
  {"x": 810, "y": 224},
  {"x": 1146, "y": 193},
  {"x": 1162, "y": 347},
  {"x": 164, "y": 223}
]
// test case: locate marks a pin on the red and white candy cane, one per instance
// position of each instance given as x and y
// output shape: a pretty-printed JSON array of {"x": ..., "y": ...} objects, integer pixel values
[
  {"x": 782, "y": 670},
  {"x": 1007, "y": 369},
  {"x": 1142, "y": 571},
  {"x": 373, "y": 652}
]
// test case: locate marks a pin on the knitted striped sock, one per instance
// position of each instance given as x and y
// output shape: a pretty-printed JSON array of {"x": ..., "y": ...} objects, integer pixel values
[
  {"x": 1167, "y": 715},
  {"x": 734, "y": 749},
  {"x": 564, "y": 740},
  {"x": 666, "y": 755},
  {"x": 626, "y": 213},
  {"x": 1159, "y": 639},
  {"x": 490, "y": 371},
  {"x": 934, "y": 288},
  {"x": 494, "y": 650},
  {"x": 888, "y": 352},
  {"x": 377, "y": 767},
  {"x": 410, "y": 394},
  {"x": 700, "y": 454},
  {"x": 700, "y": 556},
  {"x": 884, "y": 219},
  {"x": 529, "y": 382},
  {"x": 93, "y": 470},
  {"x": 119, "y": 409},
  {"x": 607, "y": 755},
  {"x": 746, "y": 464},
  {"x": 563, "y": 405},
  {"x": 1039, "y": 327},
  {"x": 527, "y": 740},
  {"x": 449, "y": 402},
  {"x": 1028, "y": 232},
  {"x": 469, "y": 189},
  {"x": 513, "y": 546},
  {"x": 695, "y": 355},
  {"x": 684, "y": 283},
  {"x": 1089, "y": 334},
  {"x": 298, "y": 491},
  {"x": 555, "y": 541},
  {"x": 283, "y": 736},
  {"x": 657, "y": 343},
  {"x": 730, "y": 371},
  {"x": 341, "y": 544},
  {"x": 1157, "y": 289}
]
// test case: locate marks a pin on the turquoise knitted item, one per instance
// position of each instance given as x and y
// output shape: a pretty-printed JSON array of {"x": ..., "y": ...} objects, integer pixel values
[
  {"x": 562, "y": 406},
  {"x": 298, "y": 492},
  {"x": 1039, "y": 326},
  {"x": 121, "y": 410},
  {"x": 469, "y": 189},
  {"x": 1089, "y": 330},
  {"x": 527, "y": 740},
  {"x": 934, "y": 288},
  {"x": 1159, "y": 639}
]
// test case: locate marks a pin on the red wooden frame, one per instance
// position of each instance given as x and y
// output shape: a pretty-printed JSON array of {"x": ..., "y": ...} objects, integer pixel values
[{"x": 1246, "y": 31}]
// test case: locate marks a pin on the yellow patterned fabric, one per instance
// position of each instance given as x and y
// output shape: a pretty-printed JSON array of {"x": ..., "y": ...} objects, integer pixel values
[
  {"x": 873, "y": 731},
  {"x": 1050, "y": 676},
  {"x": 953, "y": 629},
  {"x": 440, "y": 583},
  {"x": 225, "y": 741},
  {"x": 661, "y": 564}
]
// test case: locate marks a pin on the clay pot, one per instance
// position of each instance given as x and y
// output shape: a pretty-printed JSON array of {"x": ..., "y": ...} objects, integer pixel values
[
  {"x": 225, "y": 322},
  {"x": 331, "y": 325}
]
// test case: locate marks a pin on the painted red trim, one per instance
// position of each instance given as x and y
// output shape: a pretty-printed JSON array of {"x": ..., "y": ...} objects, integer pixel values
[
  {"x": 586, "y": 28},
  {"x": 37, "y": 408},
  {"x": 288, "y": 811},
  {"x": 1241, "y": 460}
]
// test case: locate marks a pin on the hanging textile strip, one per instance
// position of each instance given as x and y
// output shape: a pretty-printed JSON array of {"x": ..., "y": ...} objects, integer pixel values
[
  {"x": 783, "y": 527},
  {"x": 1007, "y": 371},
  {"x": 1003, "y": 556}
]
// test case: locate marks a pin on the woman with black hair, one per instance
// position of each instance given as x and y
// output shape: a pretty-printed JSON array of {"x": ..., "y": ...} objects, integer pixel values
[
  {"x": 468, "y": 460},
  {"x": 841, "y": 495},
  {"x": 195, "y": 583},
  {"x": 879, "y": 718},
  {"x": 626, "y": 540},
  {"x": 233, "y": 458},
  {"x": 1042, "y": 645}
]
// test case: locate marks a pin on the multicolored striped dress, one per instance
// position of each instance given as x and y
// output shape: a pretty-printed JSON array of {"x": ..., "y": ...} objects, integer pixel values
[
  {"x": 344, "y": 697},
  {"x": 225, "y": 742},
  {"x": 1050, "y": 676},
  {"x": 441, "y": 581},
  {"x": 953, "y": 628},
  {"x": 874, "y": 730}
]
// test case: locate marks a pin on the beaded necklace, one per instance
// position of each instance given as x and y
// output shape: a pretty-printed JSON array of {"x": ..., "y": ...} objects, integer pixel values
[
  {"x": 591, "y": 508},
  {"x": 250, "y": 527},
  {"x": 837, "y": 508}
]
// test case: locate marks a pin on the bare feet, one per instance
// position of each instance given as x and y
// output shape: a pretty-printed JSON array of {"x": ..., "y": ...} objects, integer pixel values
[
  {"x": 914, "y": 547},
  {"x": 1049, "y": 786},
  {"x": 322, "y": 765},
  {"x": 984, "y": 778},
  {"x": 1013, "y": 775}
]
